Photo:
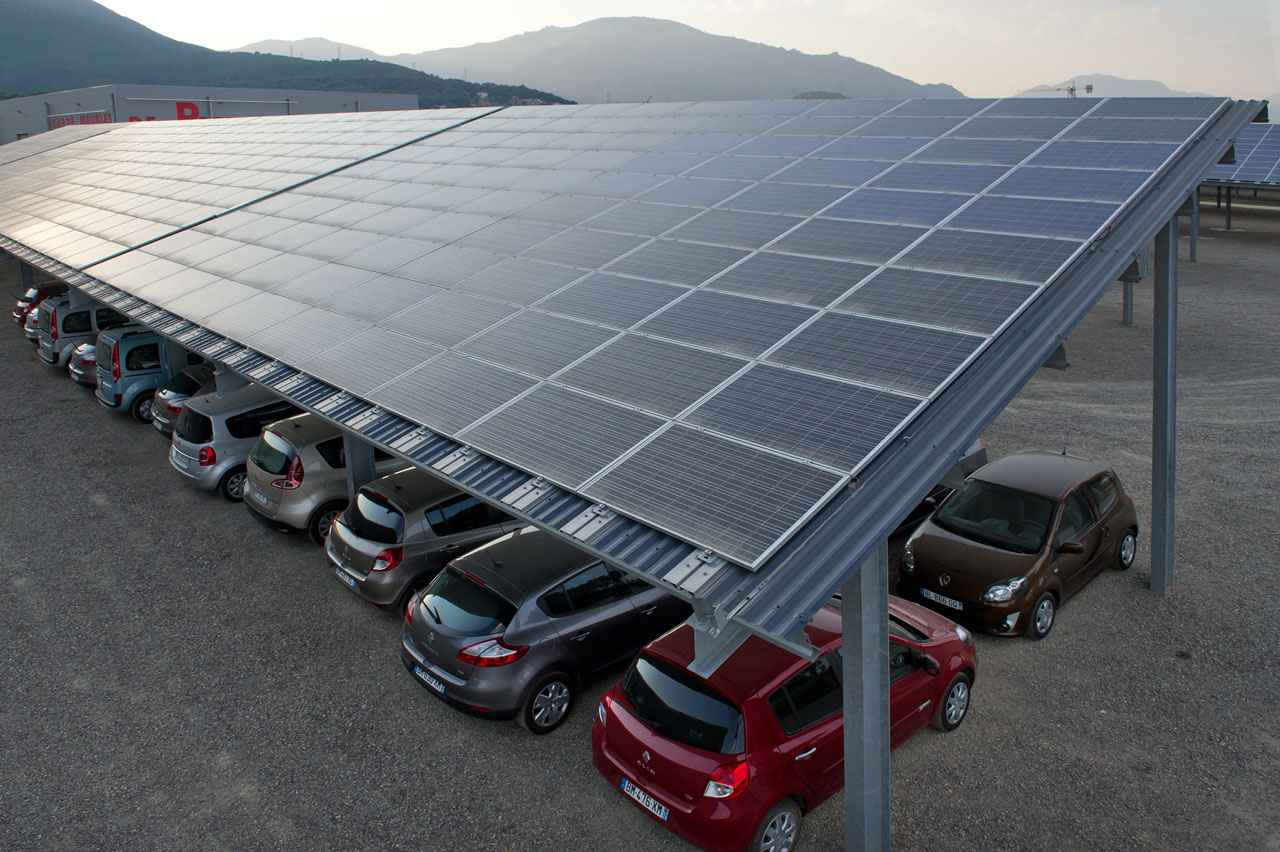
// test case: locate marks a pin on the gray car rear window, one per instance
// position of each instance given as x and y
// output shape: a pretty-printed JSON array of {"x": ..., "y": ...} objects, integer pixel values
[
  {"x": 193, "y": 427},
  {"x": 372, "y": 518},
  {"x": 272, "y": 453},
  {"x": 464, "y": 606}
]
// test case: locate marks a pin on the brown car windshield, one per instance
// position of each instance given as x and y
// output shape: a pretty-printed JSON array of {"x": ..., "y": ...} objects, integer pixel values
[{"x": 998, "y": 516}]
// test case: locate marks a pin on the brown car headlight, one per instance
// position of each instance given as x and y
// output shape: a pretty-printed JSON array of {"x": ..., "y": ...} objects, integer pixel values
[
  {"x": 1003, "y": 591},
  {"x": 908, "y": 560}
]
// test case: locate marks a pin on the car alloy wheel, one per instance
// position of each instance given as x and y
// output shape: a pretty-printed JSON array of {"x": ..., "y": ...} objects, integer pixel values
[
  {"x": 232, "y": 485},
  {"x": 550, "y": 704},
  {"x": 1042, "y": 616},
  {"x": 957, "y": 703},
  {"x": 779, "y": 832},
  {"x": 1128, "y": 550}
]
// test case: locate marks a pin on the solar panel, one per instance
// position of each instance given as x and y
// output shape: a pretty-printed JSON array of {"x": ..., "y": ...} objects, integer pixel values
[
  {"x": 1257, "y": 159},
  {"x": 708, "y": 317}
]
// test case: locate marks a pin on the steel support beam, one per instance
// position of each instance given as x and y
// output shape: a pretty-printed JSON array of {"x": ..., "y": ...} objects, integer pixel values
[
  {"x": 1195, "y": 224},
  {"x": 1164, "y": 407},
  {"x": 865, "y": 608},
  {"x": 26, "y": 275},
  {"x": 360, "y": 469},
  {"x": 1230, "y": 192}
]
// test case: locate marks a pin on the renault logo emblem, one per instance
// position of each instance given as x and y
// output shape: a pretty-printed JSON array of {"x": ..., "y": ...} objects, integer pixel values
[
  {"x": 944, "y": 579},
  {"x": 646, "y": 756}
]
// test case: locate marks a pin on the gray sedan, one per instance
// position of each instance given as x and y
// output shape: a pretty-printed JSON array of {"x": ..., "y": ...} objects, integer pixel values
[{"x": 511, "y": 629}]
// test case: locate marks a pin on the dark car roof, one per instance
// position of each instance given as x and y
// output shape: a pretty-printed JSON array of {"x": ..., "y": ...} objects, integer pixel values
[
  {"x": 523, "y": 563},
  {"x": 1047, "y": 474},
  {"x": 411, "y": 488}
]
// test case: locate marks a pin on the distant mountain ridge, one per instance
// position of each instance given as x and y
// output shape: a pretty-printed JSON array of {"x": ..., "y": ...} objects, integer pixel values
[
  {"x": 637, "y": 59},
  {"x": 1110, "y": 86},
  {"x": 52, "y": 45}
]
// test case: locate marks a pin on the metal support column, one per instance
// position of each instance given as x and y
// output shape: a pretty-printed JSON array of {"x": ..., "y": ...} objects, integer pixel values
[
  {"x": 865, "y": 607},
  {"x": 1230, "y": 192},
  {"x": 26, "y": 274},
  {"x": 359, "y": 455},
  {"x": 1164, "y": 407},
  {"x": 1195, "y": 224}
]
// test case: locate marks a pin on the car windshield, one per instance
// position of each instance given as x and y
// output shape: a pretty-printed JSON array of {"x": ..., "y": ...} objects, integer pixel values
[
  {"x": 999, "y": 516},
  {"x": 372, "y": 518},
  {"x": 678, "y": 706},
  {"x": 464, "y": 607},
  {"x": 272, "y": 453}
]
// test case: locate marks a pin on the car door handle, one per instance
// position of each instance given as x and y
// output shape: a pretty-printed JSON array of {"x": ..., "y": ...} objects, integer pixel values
[
  {"x": 805, "y": 755},
  {"x": 450, "y": 548},
  {"x": 924, "y": 705},
  {"x": 580, "y": 635},
  {"x": 1106, "y": 531},
  {"x": 649, "y": 610}
]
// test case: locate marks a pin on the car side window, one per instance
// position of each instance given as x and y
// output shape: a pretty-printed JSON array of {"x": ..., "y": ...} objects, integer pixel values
[
  {"x": 629, "y": 584},
  {"x": 900, "y": 662},
  {"x": 107, "y": 318},
  {"x": 810, "y": 696},
  {"x": 1104, "y": 492},
  {"x": 250, "y": 423},
  {"x": 76, "y": 323},
  {"x": 590, "y": 588},
  {"x": 145, "y": 357},
  {"x": 1077, "y": 516},
  {"x": 459, "y": 514},
  {"x": 333, "y": 453}
]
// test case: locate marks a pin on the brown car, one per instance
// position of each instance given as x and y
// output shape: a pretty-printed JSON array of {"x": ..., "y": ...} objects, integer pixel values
[{"x": 1020, "y": 537}]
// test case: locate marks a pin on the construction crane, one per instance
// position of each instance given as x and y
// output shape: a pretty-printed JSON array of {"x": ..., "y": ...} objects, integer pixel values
[{"x": 1069, "y": 89}]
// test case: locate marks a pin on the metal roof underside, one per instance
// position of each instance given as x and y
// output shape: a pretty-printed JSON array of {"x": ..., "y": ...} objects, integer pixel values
[
  {"x": 1257, "y": 160},
  {"x": 723, "y": 345}
]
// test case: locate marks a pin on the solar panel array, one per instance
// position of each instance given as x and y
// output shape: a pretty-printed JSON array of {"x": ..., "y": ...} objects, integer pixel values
[
  {"x": 1257, "y": 158},
  {"x": 708, "y": 317}
]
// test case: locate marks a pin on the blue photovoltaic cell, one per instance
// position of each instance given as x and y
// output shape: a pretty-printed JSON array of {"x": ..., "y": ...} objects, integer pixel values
[
  {"x": 452, "y": 391},
  {"x": 1156, "y": 107},
  {"x": 735, "y": 228},
  {"x": 637, "y": 217},
  {"x": 956, "y": 107},
  {"x": 961, "y": 302},
  {"x": 984, "y": 127},
  {"x": 867, "y": 107},
  {"x": 537, "y": 343},
  {"x": 863, "y": 241},
  {"x": 520, "y": 281},
  {"x": 822, "y": 420},
  {"x": 786, "y": 198},
  {"x": 898, "y": 206},
  {"x": 940, "y": 177},
  {"x": 1031, "y": 259},
  {"x": 681, "y": 262},
  {"x": 1257, "y": 157},
  {"x": 901, "y": 357},
  {"x": 1046, "y": 106},
  {"x": 891, "y": 125},
  {"x": 994, "y": 151},
  {"x": 728, "y": 323},
  {"x": 831, "y": 172},
  {"x": 1076, "y": 184},
  {"x": 1132, "y": 129},
  {"x": 782, "y": 146},
  {"x": 1046, "y": 217},
  {"x": 612, "y": 299},
  {"x": 1105, "y": 155},
  {"x": 696, "y": 191},
  {"x": 739, "y": 168},
  {"x": 791, "y": 278},
  {"x": 584, "y": 248}
]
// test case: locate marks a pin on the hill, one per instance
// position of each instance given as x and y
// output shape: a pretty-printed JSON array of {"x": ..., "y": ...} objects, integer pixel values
[
  {"x": 1108, "y": 86},
  {"x": 65, "y": 44},
  {"x": 636, "y": 59}
]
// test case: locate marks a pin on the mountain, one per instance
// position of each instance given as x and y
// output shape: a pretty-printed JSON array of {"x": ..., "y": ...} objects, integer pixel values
[
  {"x": 51, "y": 45},
  {"x": 637, "y": 59},
  {"x": 1107, "y": 86}
]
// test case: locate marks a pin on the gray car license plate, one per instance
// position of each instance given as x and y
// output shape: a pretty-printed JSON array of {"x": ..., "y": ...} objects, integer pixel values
[
  {"x": 942, "y": 599},
  {"x": 427, "y": 678},
  {"x": 648, "y": 802},
  {"x": 342, "y": 575}
]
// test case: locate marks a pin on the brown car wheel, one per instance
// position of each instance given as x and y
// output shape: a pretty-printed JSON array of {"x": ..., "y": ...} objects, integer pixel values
[
  {"x": 1043, "y": 614},
  {"x": 1127, "y": 549}
]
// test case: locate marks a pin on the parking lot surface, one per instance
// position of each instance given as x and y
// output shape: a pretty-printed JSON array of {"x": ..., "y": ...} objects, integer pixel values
[{"x": 175, "y": 676}]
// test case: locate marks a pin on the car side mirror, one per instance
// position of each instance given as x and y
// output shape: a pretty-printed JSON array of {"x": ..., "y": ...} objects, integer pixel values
[
  {"x": 926, "y": 662},
  {"x": 931, "y": 502},
  {"x": 1071, "y": 547}
]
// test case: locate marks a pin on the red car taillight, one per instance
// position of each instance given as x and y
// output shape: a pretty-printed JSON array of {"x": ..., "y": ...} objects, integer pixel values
[
  {"x": 727, "y": 781},
  {"x": 173, "y": 407},
  {"x": 292, "y": 477},
  {"x": 115, "y": 361},
  {"x": 413, "y": 604},
  {"x": 207, "y": 456},
  {"x": 387, "y": 559},
  {"x": 491, "y": 652},
  {"x": 53, "y": 323}
]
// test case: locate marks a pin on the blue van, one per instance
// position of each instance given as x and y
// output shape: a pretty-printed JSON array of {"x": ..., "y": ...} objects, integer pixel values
[{"x": 132, "y": 363}]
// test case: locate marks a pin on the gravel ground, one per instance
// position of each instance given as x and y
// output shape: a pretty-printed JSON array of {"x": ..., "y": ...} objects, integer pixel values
[{"x": 177, "y": 677}]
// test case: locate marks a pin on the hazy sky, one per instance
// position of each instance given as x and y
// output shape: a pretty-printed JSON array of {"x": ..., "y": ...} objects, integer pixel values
[{"x": 983, "y": 47}]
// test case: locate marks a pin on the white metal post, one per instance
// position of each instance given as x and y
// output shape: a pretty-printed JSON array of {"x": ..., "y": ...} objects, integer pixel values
[{"x": 1164, "y": 407}]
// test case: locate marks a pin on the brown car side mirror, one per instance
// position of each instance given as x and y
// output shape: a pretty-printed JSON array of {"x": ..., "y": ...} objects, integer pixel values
[{"x": 1071, "y": 547}]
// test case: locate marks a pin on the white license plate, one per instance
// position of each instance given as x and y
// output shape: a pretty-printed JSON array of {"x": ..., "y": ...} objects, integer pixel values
[
  {"x": 649, "y": 802},
  {"x": 942, "y": 599},
  {"x": 178, "y": 458},
  {"x": 427, "y": 678},
  {"x": 342, "y": 575}
]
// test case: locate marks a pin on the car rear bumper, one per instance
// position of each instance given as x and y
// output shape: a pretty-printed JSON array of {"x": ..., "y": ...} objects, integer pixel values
[
  {"x": 267, "y": 521},
  {"x": 48, "y": 356},
  {"x": 203, "y": 477},
  {"x": 107, "y": 402},
  {"x": 731, "y": 830},
  {"x": 88, "y": 378},
  {"x": 462, "y": 696}
]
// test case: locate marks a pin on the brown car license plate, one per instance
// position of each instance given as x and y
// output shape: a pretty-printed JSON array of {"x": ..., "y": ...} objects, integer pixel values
[{"x": 942, "y": 599}]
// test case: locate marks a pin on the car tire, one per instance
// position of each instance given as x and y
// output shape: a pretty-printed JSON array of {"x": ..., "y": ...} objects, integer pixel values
[
  {"x": 231, "y": 486},
  {"x": 1127, "y": 549},
  {"x": 954, "y": 706},
  {"x": 548, "y": 703},
  {"x": 322, "y": 519},
  {"x": 1043, "y": 615},
  {"x": 779, "y": 831},
  {"x": 141, "y": 407}
]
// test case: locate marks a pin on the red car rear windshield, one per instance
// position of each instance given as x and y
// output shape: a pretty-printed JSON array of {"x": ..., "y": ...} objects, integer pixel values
[{"x": 682, "y": 708}]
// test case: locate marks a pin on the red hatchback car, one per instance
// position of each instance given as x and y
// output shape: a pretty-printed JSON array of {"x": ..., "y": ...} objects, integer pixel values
[
  {"x": 732, "y": 761},
  {"x": 33, "y": 297}
]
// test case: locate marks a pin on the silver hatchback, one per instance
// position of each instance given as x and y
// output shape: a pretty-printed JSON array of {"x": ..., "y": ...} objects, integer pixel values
[
  {"x": 215, "y": 433},
  {"x": 402, "y": 529}
]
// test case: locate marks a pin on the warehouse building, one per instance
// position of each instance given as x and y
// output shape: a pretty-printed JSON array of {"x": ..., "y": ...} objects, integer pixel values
[{"x": 23, "y": 117}]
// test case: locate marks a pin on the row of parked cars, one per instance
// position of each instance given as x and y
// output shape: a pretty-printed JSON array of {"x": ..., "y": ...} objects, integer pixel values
[{"x": 503, "y": 621}]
